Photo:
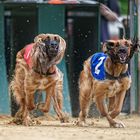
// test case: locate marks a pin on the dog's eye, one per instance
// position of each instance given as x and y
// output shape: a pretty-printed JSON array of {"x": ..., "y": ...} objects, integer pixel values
[
  {"x": 56, "y": 38},
  {"x": 48, "y": 38},
  {"x": 126, "y": 45},
  {"x": 111, "y": 44}
]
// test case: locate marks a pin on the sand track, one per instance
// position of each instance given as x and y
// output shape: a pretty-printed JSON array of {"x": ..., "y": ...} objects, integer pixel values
[{"x": 54, "y": 130}]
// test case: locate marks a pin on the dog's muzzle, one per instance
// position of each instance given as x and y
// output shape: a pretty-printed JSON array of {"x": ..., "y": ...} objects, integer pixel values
[
  {"x": 122, "y": 55},
  {"x": 52, "y": 48}
]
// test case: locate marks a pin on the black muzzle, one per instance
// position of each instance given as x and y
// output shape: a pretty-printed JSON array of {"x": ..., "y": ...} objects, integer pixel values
[
  {"x": 52, "y": 48},
  {"x": 122, "y": 55}
]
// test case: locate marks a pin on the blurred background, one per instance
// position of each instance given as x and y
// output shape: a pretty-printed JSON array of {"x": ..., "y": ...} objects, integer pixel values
[{"x": 83, "y": 25}]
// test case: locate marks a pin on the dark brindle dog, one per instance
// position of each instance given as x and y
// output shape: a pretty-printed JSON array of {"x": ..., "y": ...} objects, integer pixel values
[
  {"x": 105, "y": 75},
  {"x": 36, "y": 70}
]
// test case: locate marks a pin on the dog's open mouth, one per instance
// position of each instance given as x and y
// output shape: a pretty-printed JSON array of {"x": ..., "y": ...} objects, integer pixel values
[
  {"x": 122, "y": 54},
  {"x": 122, "y": 57},
  {"x": 52, "y": 48}
]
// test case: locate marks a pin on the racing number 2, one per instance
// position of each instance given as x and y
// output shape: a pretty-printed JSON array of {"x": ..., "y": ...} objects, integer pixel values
[{"x": 97, "y": 70}]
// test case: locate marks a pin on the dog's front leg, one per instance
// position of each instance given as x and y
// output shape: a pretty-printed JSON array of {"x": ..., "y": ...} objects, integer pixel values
[
  {"x": 26, "y": 118},
  {"x": 29, "y": 105},
  {"x": 57, "y": 109},
  {"x": 57, "y": 103},
  {"x": 104, "y": 111},
  {"x": 45, "y": 107},
  {"x": 30, "y": 99},
  {"x": 111, "y": 103},
  {"x": 118, "y": 106}
]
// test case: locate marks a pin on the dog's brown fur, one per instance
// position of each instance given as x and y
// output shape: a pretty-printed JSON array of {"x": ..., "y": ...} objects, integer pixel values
[
  {"x": 114, "y": 90},
  {"x": 26, "y": 80}
]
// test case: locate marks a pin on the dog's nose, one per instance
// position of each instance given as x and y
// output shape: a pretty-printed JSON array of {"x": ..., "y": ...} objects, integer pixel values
[
  {"x": 54, "y": 44},
  {"x": 122, "y": 50}
]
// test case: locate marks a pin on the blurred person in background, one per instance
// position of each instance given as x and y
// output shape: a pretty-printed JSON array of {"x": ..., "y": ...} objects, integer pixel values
[{"x": 113, "y": 14}]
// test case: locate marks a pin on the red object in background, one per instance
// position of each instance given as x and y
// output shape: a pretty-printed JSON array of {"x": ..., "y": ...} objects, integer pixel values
[
  {"x": 63, "y": 1},
  {"x": 55, "y": 2}
]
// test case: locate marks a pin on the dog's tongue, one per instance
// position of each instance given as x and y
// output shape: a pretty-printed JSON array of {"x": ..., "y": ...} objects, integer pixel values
[{"x": 122, "y": 59}]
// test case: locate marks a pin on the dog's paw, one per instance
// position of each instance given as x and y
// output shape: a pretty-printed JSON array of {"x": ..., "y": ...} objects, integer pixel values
[
  {"x": 27, "y": 121},
  {"x": 65, "y": 119},
  {"x": 81, "y": 123},
  {"x": 30, "y": 122},
  {"x": 31, "y": 107},
  {"x": 117, "y": 125},
  {"x": 16, "y": 121},
  {"x": 41, "y": 106}
]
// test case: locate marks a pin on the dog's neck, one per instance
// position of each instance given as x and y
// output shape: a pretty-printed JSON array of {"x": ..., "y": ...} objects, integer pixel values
[{"x": 115, "y": 69}]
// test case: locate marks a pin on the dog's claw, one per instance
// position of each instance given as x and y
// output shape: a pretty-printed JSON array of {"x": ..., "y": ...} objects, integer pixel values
[
  {"x": 27, "y": 121},
  {"x": 30, "y": 122},
  {"x": 118, "y": 125},
  {"x": 81, "y": 123},
  {"x": 64, "y": 119}
]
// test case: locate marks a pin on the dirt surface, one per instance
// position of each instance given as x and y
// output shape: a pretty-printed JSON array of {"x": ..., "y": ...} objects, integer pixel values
[{"x": 54, "y": 130}]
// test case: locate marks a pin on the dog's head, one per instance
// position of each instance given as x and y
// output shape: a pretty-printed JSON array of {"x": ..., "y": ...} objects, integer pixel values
[
  {"x": 48, "y": 48},
  {"x": 50, "y": 43},
  {"x": 120, "y": 51}
]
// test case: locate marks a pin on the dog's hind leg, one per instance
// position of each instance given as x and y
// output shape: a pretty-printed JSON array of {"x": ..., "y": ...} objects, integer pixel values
[
  {"x": 17, "y": 88},
  {"x": 85, "y": 85}
]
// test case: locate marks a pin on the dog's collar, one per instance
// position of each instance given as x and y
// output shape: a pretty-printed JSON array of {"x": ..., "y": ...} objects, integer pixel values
[
  {"x": 45, "y": 74},
  {"x": 111, "y": 77}
]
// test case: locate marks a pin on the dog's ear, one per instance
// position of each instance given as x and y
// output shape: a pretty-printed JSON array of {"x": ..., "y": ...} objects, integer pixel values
[
  {"x": 108, "y": 45},
  {"x": 62, "y": 42},
  {"x": 135, "y": 44},
  {"x": 39, "y": 38}
]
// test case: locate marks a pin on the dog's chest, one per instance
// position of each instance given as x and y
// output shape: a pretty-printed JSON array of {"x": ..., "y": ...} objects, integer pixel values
[
  {"x": 113, "y": 88},
  {"x": 42, "y": 83}
]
